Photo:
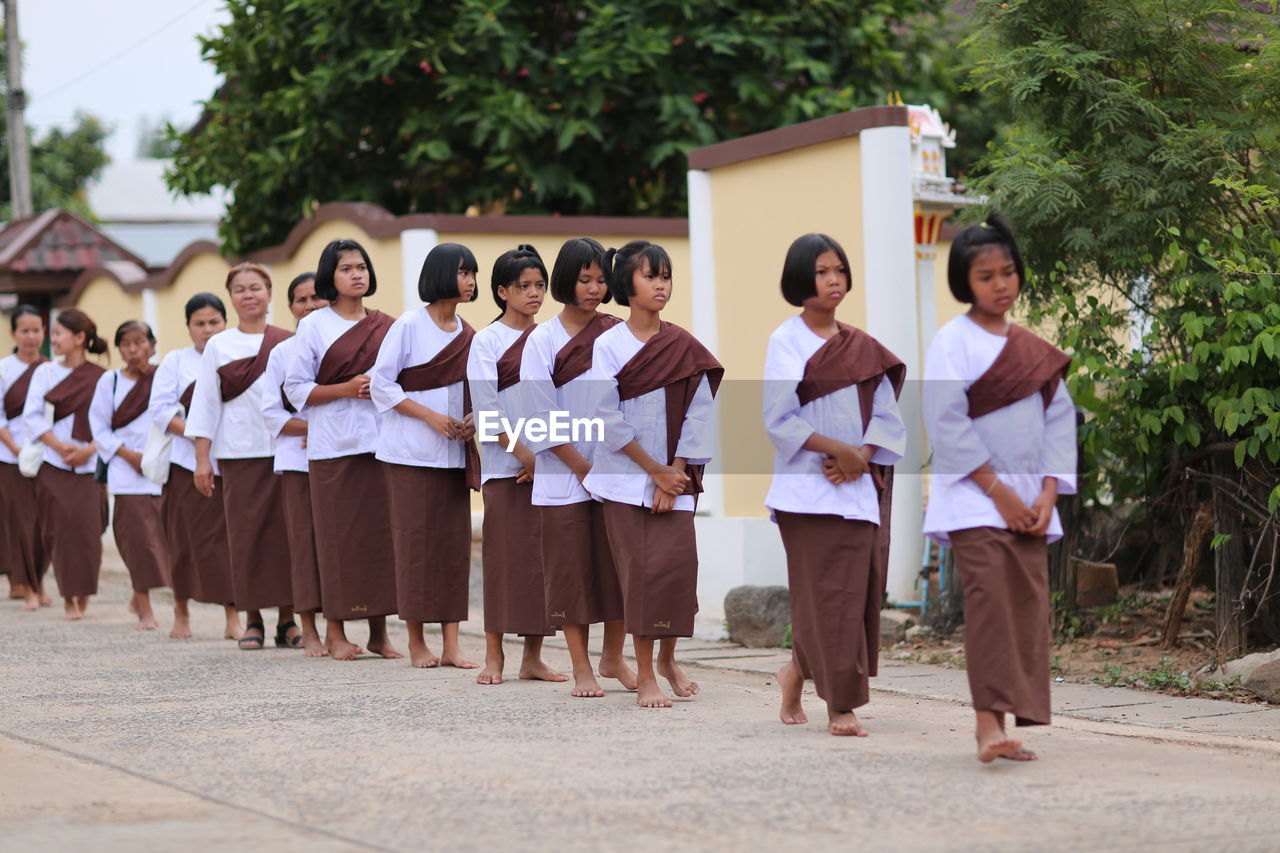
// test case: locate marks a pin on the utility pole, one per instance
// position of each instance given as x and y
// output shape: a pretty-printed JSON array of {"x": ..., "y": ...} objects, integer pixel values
[{"x": 19, "y": 148}]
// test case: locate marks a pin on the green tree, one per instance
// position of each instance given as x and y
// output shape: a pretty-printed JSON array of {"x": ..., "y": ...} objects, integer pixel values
[
  {"x": 522, "y": 106},
  {"x": 1141, "y": 166}
]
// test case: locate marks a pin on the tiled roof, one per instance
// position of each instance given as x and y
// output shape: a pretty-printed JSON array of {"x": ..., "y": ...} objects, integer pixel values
[{"x": 57, "y": 241}]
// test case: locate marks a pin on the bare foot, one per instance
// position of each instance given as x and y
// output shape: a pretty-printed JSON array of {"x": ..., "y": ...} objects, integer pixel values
[
  {"x": 147, "y": 623},
  {"x": 181, "y": 628},
  {"x": 232, "y": 631},
  {"x": 792, "y": 712},
  {"x": 45, "y": 600},
  {"x": 618, "y": 669},
  {"x": 844, "y": 724},
  {"x": 71, "y": 612},
  {"x": 1021, "y": 755},
  {"x": 680, "y": 683},
  {"x": 384, "y": 649},
  {"x": 133, "y": 605},
  {"x": 536, "y": 670},
  {"x": 420, "y": 655},
  {"x": 651, "y": 696},
  {"x": 32, "y": 603},
  {"x": 344, "y": 649},
  {"x": 313, "y": 646},
  {"x": 18, "y": 591},
  {"x": 998, "y": 744},
  {"x": 459, "y": 660},
  {"x": 585, "y": 685},
  {"x": 491, "y": 674}
]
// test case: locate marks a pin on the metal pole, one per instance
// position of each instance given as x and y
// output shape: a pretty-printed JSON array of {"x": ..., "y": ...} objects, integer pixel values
[{"x": 19, "y": 148}]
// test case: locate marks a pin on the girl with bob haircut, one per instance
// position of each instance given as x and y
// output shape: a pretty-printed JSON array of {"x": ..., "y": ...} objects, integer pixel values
[
  {"x": 1002, "y": 427},
  {"x": 651, "y": 375},
  {"x": 831, "y": 411},
  {"x": 328, "y": 377},
  {"x": 580, "y": 578},
  {"x": 226, "y": 424},
  {"x": 289, "y": 428},
  {"x": 514, "y": 598},
  {"x": 22, "y": 554},
  {"x": 117, "y": 418},
  {"x": 425, "y": 441},
  {"x": 195, "y": 525},
  {"x": 72, "y": 504}
]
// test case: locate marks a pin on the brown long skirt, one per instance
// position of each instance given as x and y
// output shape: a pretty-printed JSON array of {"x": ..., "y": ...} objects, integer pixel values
[
  {"x": 73, "y": 512},
  {"x": 138, "y": 526},
  {"x": 1005, "y": 578},
  {"x": 22, "y": 551},
  {"x": 353, "y": 537},
  {"x": 657, "y": 560},
  {"x": 579, "y": 575},
  {"x": 304, "y": 565},
  {"x": 833, "y": 570},
  {"x": 256, "y": 534},
  {"x": 511, "y": 547},
  {"x": 431, "y": 533},
  {"x": 196, "y": 530}
]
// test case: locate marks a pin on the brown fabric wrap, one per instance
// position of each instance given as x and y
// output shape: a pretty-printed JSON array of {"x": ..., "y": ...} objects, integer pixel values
[
  {"x": 852, "y": 357},
  {"x": 1025, "y": 365},
  {"x": 135, "y": 402},
  {"x": 509, "y": 363},
  {"x": 238, "y": 375},
  {"x": 355, "y": 350},
  {"x": 445, "y": 368},
  {"x": 574, "y": 358},
  {"x": 73, "y": 517},
  {"x": 72, "y": 396},
  {"x": 186, "y": 397},
  {"x": 15, "y": 398},
  {"x": 672, "y": 359},
  {"x": 656, "y": 555}
]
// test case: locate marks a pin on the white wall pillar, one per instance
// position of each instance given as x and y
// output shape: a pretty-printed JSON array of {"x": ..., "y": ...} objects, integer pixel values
[
  {"x": 889, "y": 271},
  {"x": 415, "y": 243},
  {"x": 705, "y": 321},
  {"x": 150, "y": 315}
]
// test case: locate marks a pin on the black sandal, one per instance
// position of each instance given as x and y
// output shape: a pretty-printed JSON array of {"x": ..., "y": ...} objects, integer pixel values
[
  {"x": 283, "y": 640},
  {"x": 250, "y": 643}
]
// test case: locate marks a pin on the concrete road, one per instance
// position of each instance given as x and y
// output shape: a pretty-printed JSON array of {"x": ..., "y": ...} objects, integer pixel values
[{"x": 116, "y": 739}]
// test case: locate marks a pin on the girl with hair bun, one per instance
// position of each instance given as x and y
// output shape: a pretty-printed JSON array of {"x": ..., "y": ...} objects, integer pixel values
[
  {"x": 514, "y": 599},
  {"x": 195, "y": 525},
  {"x": 1003, "y": 431},
  {"x": 656, "y": 386},
  {"x": 72, "y": 504},
  {"x": 580, "y": 579},
  {"x": 22, "y": 554},
  {"x": 425, "y": 442},
  {"x": 117, "y": 417}
]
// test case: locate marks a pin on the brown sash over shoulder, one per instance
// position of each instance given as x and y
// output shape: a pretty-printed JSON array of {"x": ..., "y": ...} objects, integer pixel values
[
  {"x": 509, "y": 363},
  {"x": 444, "y": 369},
  {"x": 672, "y": 359},
  {"x": 355, "y": 350},
  {"x": 574, "y": 358},
  {"x": 16, "y": 397},
  {"x": 135, "y": 402},
  {"x": 1024, "y": 366},
  {"x": 238, "y": 375},
  {"x": 852, "y": 357},
  {"x": 187, "y": 396},
  {"x": 72, "y": 396}
]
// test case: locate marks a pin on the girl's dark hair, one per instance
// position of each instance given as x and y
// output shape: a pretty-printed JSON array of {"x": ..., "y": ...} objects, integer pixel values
[
  {"x": 76, "y": 322},
  {"x": 798, "y": 270},
  {"x": 511, "y": 265},
  {"x": 134, "y": 326},
  {"x": 256, "y": 269},
  {"x": 328, "y": 265},
  {"x": 619, "y": 266},
  {"x": 575, "y": 256},
  {"x": 994, "y": 231},
  {"x": 439, "y": 276},
  {"x": 204, "y": 300},
  {"x": 298, "y": 280},
  {"x": 24, "y": 311}
]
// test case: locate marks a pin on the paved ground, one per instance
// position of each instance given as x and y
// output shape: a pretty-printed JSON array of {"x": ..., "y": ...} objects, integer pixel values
[{"x": 115, "y": 740}]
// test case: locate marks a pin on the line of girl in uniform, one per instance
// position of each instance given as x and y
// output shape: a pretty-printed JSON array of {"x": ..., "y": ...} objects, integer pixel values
[{"x": 355, "y": 438}]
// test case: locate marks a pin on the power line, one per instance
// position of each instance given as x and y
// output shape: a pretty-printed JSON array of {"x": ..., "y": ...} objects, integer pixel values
[{"x": 130, "y": 49}]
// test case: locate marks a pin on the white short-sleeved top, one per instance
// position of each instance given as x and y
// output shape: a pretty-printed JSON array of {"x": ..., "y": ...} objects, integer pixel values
[
  {"x": 46, "y": 377},
  {"x": 122, "y": 479},
  {"x": 236, "y": 426},
  {"x": 11, "y": 370},
  {"x": 291, "y": 454},
  {"x": 489, "y": 345}
]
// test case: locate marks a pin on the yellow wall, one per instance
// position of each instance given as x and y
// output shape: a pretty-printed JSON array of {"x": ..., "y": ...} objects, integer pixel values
[
  {"x": 108, "y": 306},
  {"x": 204, "y": 273},
  {"x": 758, "y": 208}
]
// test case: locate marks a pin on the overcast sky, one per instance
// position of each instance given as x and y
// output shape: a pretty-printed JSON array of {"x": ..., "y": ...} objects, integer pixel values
[{"x": 122, "y": 60}]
